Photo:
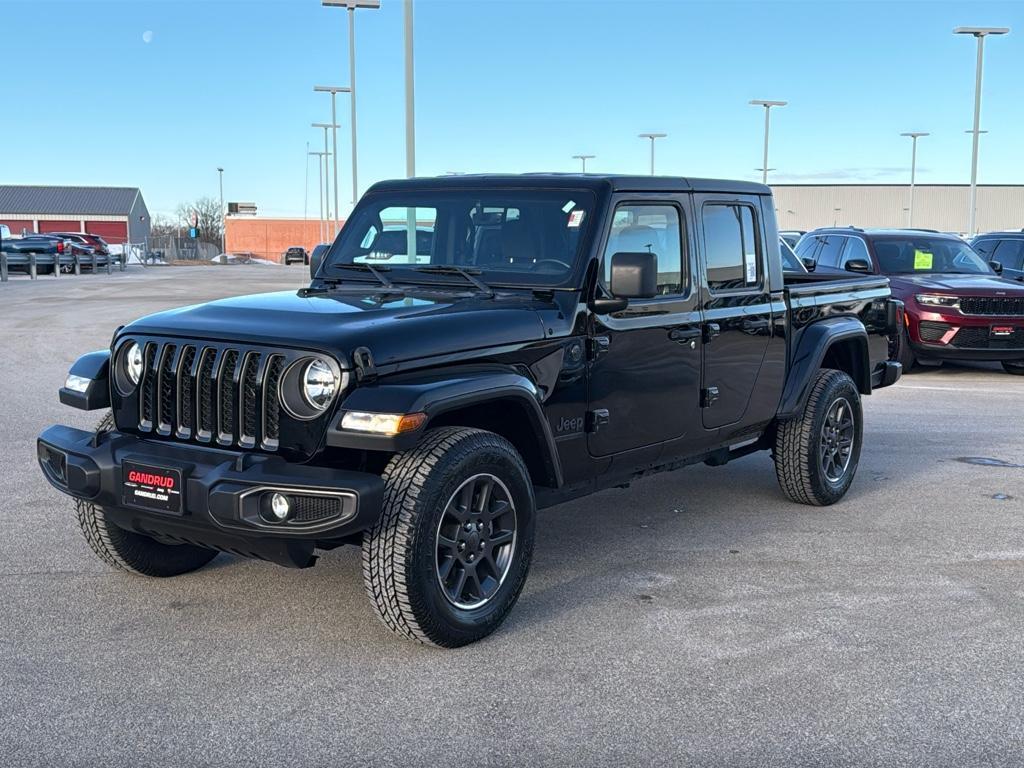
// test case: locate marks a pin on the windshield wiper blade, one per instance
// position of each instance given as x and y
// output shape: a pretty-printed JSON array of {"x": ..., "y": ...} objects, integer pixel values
[
  {"x": 375, "y": 271},
  {"x": 452, "y": 269}
]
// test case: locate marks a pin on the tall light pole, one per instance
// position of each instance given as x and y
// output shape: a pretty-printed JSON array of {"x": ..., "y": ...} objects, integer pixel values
[
  {"x": 914, "y": 136},
  {"x": 980, "y": 33},
  {"x": 321, "y": 159},
  {"x": 334, "y": 91},
  {"x": 351, "y": 5},
  {"x": 223, "y": 217},
  {"x": 653, "y": 137},
  {"x": 326, "y": 182},
  {"x": 410, "y": 97},
  {"x": 583, "y": 159},
  {"x": 767, "y": 111}
]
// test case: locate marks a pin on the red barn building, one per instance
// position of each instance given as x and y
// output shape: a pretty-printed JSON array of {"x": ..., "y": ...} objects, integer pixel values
[{"x": 117, "y": 214}]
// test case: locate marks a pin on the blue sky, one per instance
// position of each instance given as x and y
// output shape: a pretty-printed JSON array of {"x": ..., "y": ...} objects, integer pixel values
[{"x": 501, "y": 85}]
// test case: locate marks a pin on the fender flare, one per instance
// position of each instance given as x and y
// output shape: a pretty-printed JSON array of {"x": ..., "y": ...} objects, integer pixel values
[
  {"x": 438, "y": 394},
  {"x": 94, "y": 366},
  {"x": 814, "y": 343}
]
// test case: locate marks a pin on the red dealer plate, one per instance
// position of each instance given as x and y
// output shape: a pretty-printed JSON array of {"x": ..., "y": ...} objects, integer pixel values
[{"x": 156, "y": 488}]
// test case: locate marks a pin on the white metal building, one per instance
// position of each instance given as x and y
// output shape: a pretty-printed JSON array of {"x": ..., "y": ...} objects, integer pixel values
[{"x": 936, "y": 206}]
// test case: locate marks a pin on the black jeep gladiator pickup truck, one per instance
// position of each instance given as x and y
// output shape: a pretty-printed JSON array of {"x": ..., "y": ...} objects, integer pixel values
[{"x": 471, "y": 349}]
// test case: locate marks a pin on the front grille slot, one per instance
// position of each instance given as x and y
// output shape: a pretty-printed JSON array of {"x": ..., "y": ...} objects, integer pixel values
[
  {"x": 227, "y": 382},
  {"x": 1003, "y": 306},
  {"x": 210, "y": 393},
  {"x": 311, "y": 509},
  {"x": 982, "y": 338}
]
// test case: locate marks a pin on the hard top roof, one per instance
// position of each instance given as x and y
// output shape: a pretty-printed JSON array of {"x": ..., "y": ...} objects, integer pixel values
[{"x": 594, "y": 181}]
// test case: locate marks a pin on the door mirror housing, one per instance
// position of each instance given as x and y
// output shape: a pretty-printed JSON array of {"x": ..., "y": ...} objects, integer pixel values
[
  {"x": 634, "y": 275},
  {"x": 858, "y": 265},
  {"x": 997, "y": 267},
  {"x": 809, "y": 264}
]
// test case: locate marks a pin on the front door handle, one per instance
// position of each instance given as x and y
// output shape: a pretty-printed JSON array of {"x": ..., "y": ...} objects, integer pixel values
[{"x": 683, "y": 335}]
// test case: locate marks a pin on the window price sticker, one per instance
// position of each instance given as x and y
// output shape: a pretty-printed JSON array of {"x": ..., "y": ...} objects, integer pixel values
[{"x": 576, "y": 218}]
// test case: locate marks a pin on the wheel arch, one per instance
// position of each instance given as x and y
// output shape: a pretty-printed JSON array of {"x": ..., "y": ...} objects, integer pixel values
[{"x": 840, "y": 343}]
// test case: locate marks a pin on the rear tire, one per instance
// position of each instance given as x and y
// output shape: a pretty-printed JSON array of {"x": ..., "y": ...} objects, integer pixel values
[
  {"x": 1015, "y": 367},
  {"x": 901, "y": 352},
  {"x": 816, "y": 454},
  {"x": 130, "y": 551},
  {"x": 449, "y": 556}
]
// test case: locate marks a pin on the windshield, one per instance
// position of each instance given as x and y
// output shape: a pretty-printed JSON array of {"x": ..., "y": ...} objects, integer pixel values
[
  {"x": 510, "y": 237},
  {"x": 927, "y": 255}
]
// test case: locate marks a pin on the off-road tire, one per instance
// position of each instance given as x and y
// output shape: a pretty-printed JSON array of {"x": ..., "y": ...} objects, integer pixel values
[
  {"x": 132, "y": 551},
  {"x": 1015, "y": 367},
  {"x": 798, "y": 441},
  {"x": 399, "y": 552}
]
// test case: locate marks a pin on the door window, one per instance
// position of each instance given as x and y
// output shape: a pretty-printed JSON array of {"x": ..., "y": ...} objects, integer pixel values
[
  {"x": 832, "y": 246},
  {"x": 646, "y": 228},
  {"x": 732, "y": 246},
  {"x": 855, "y": 249},
  {"x": 986, "y": 247},
  {"x": 1009, "y": 253}
]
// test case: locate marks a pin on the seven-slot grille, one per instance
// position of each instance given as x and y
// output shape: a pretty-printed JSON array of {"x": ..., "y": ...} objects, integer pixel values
[
  {"x": 1004, "y": 306},
  {"x": 212, "y": 394}
]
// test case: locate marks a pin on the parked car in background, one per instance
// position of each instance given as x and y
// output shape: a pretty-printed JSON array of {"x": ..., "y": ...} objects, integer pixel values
[
  {"x": 95, "y": 242},
  {"x": 957, "y": 305},
  {"x": 792, "y": 236},
  {"x": 1007, "y": 248},
  {"x": 296, "y": 255},
  {"x": 48, "y": 245},
  {"x": 791, "y": 263}
]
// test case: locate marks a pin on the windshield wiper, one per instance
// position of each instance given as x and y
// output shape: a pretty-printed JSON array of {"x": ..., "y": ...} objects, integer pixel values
[
  {"x": 375, "y": 271},
  {"x": 452, "y": 269}
]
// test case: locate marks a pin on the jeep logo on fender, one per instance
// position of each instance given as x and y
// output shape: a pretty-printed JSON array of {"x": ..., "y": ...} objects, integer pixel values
[
  {"x": 574, "y": 424},
  {"x": 157, "y": 481}
]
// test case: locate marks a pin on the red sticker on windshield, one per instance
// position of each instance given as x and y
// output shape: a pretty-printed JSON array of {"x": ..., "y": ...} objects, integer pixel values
[{"x": 576, "y": 218}]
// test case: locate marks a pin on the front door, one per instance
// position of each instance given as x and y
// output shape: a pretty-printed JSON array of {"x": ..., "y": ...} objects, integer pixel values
[
  {"x": 738, "y": 308},
  {"x": 645, "y": 369}
]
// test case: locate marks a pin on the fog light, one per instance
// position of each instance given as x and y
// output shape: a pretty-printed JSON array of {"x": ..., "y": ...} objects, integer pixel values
[{"x": 278, "y": 509}]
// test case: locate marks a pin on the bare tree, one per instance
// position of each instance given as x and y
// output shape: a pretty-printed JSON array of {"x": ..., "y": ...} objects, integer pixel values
[{"x": 207, "y": 211}]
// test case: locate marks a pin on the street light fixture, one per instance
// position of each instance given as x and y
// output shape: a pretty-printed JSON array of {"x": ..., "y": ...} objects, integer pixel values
[
  {"x": 351, "y": 6},
  {"x": 583, "y": 159},
  {"x": 334, "y": 91},
  {"x": 223, "y": 221},
  {"x": 980, "y": 33},
  {"x": 914, "y": 136},
  {"x": 321, "y": 159},
  {"x": 767, "y": 111},
  {"x": 653, "y": 137},
  {"x": 326, "y": 181}
]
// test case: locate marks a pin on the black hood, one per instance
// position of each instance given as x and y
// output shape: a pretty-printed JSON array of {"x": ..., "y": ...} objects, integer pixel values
[{"x": 394, "y": 330}]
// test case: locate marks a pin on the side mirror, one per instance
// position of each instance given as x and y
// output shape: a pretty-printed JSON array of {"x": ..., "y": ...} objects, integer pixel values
[
  {"x": 809, "y": 264},
  {"x": 634, "y": 275},
  {"x": 858, "y": 265},
  {"x": 314, "y": 263},
  {"x": 997, "y": 267}
]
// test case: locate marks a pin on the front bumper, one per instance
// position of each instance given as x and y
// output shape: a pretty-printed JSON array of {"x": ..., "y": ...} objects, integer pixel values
[
  {"x": 953, "y": 336},
  {"x": 221, "y": 494}
]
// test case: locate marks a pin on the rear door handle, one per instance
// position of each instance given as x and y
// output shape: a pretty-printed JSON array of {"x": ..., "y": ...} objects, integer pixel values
[{"x": 683, "y": 335}]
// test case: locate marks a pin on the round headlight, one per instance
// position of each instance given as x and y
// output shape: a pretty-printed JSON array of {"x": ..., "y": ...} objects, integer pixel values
[
  {"x": 319, "y": 384},
  {"x": 133, "y": 363}
]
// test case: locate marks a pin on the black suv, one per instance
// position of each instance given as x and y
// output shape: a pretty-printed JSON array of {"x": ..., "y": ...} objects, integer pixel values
[
  {"x": 296, "y": 254},
  {"x": 557, "y": 335},
  {"x": 1005, "y": 248}
]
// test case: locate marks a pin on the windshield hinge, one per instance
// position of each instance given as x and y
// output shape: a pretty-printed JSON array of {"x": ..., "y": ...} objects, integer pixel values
[{"x": 366, "y": 372}]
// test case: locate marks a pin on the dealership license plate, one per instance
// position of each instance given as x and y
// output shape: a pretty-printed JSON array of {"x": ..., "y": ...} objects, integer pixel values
[
  {"x": 157, "y": 488},
  {"x": 1002, "y": 331}
]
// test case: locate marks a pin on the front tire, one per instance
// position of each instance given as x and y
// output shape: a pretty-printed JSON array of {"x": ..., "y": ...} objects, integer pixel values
[
  {"x": 449, "y": 556},
  {"x": 130, "y": 551},
  {"x": 816, "y": 454},
  {"x": 901, "y": 352},
  {"x": 1014, "y": 367}
]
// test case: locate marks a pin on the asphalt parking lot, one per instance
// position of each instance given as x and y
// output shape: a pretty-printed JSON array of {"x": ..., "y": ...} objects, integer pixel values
[{"x": 697, "y": 618}]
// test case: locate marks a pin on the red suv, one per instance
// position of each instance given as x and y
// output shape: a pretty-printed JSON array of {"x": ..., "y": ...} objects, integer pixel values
[{"x": 957, "y": 305}]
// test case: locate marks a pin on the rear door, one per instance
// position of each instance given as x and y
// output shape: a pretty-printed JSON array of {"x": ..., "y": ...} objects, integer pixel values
[
  {"x": 738, "y": 309},
  {"x": 645, "y": 369}
]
